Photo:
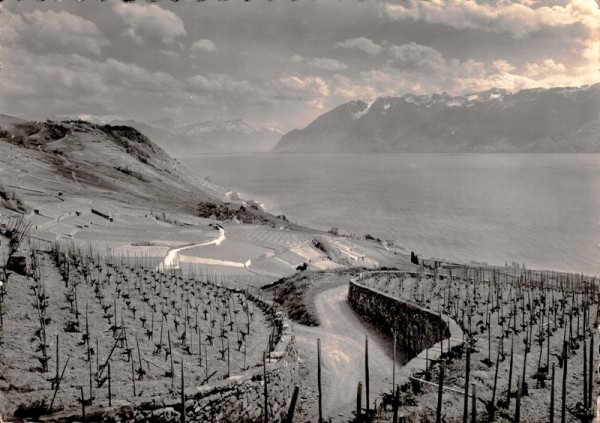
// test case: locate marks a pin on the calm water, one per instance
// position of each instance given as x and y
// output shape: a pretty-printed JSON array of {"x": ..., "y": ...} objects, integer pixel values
[{"x": 542, "y": 210}]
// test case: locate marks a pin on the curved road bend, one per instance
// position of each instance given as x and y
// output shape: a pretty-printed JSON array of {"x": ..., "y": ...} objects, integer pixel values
[
  {"x": 170, "y": 260},
  {"x": 342, "y": 333}
]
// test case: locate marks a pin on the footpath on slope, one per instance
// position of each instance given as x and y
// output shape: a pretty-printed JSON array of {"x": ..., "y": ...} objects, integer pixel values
[{"x": 342, "y": 333}]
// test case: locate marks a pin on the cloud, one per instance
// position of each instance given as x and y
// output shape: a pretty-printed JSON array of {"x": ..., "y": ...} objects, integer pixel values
[
  {"x": 54, "y": 32},
  {"x": 516, "y": 18},
  {"x": 222, "y": 84},
  {"x": 204, "y": 44},
  {"x": 414, "y": 57},
  {"x": 149, "y": 22},
  {"x": 309, "y": 84},
  {"x": 420, "y": 69},
  {"x": 362, "y": 44},
  {"x": 52, "y": 84},
  {"x": 320, "y": 63}
]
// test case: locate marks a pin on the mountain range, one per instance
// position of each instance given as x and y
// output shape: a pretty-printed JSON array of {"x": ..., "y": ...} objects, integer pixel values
[
  {"x": 555, "y": 120},
  {"x": 228, "y": 136}
]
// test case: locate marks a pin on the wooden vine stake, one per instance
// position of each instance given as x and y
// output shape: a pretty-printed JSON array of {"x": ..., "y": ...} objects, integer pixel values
[
  {"x": 182, "y": 394},
  {"x": 290, "y": 414},
  {"x": 585, "y": 378},
  {"x": 466, "y": 394},
  {"x": 359, "y": 401},
  {"x": 518, "y": 406},
  {"x": 319, "y": 380},
  {"x": 367, "y": 374},
  {"x": 266, "y": 390},
  {"x": 82, "y": 399},
  {"x": 396, "y": 398},
  {"x": 510, "y": 371},
  {"x": 474, "y": 404},
  {"x": 591, "y": 372},
  {"x": 551, "y": 419},
  {"x": 438, "y": 412},
  {"x": 563, "y": 406},
  {"x": 109, "y": 387},
  {"x": 58, "y": 382},
  {"x": 171, "y": 355}
]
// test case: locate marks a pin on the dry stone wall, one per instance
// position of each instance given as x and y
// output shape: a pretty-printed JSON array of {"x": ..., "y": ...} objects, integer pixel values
[
  {"x": 417, "y": 328},
  {"x": 421, "y": 333}
]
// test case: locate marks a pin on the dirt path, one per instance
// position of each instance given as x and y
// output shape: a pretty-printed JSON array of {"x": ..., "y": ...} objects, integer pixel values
[
  {"x": 171, "y": 260},
  {"x": 342, "y": 333}
]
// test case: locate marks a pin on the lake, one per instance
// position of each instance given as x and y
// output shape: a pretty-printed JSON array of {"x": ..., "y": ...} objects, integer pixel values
[{"x": 539, "y": 209}]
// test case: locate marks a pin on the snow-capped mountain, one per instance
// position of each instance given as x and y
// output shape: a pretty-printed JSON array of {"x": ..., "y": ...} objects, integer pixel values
[
  {"x": 533, "y": 120},
  {"x": 234, "y": 136}
]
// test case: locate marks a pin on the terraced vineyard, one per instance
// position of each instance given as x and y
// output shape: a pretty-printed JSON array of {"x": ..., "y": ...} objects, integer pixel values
[
  {"x": 234, "y": 251},
  {"x": 526, "y": 333},
  {"x": 273, "y": 267},
  {"x": 238, "y": 277},
  {"x": 268, "y": 237},
  {"x": 109, "y": 327},
  {"x": 148, "y": 235},
  {"x": 308, "y": 253},
  {"x": 291, "y": 258}
]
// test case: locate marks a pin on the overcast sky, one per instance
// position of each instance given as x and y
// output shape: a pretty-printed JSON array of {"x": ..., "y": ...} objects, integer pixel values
[{"x": 282, "y": 62}]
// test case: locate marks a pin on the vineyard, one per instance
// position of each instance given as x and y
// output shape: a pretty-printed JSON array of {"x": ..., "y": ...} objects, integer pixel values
[
  {"x": 146, "y": 233},
  {"x": 529, "y": 344},
  {"x": 273, "y": 267},
  {"x": 82, "y": 330},
  {"x": 234, "y": 251},
  {"x": 290, "y": 258},
  {"x": 267, "y": 237}
]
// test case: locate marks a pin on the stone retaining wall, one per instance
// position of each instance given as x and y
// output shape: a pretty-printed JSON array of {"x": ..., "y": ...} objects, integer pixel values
[
  {"x": 239, "y": 398},
  {"x": 420, "y": 332}
]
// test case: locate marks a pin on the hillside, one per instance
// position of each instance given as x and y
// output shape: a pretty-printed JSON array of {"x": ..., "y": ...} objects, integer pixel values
[
  {"x": 95, "y": 161},
  {"x": 557, "y": 120},
  {"x": 110, "y": 190}
]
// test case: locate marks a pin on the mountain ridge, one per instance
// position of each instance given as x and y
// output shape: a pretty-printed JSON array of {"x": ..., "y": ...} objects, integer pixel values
[
  {"x": 216, "y": 136},
  {"x": 562, "y": 119}
]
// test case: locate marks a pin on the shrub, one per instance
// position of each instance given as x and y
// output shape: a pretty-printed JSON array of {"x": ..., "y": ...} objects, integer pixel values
[
  {"x": 11, "y": 200},
  {"x": 30, "y": 128}
]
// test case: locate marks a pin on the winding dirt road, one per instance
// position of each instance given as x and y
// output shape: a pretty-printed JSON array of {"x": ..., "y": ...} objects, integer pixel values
[
  {"x": 171, "y": 260},
  {"x": 342, "y": 333}
]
